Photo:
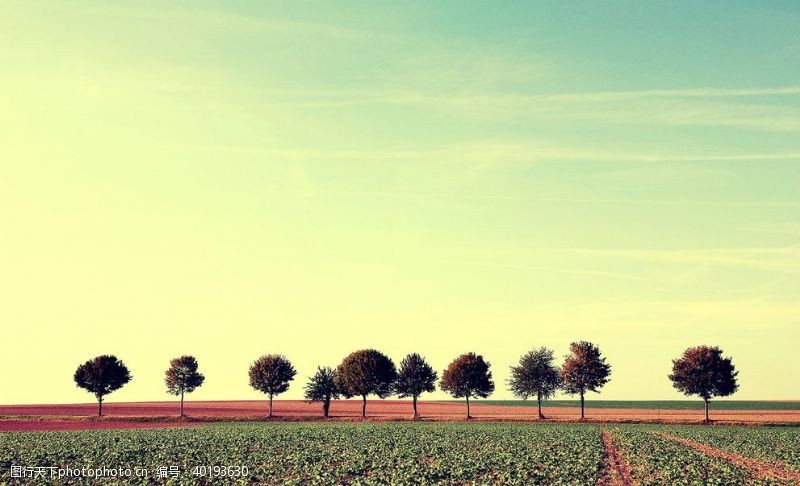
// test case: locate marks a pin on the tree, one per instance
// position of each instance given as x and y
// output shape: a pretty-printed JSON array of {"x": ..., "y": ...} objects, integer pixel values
[
  {"x": 102, "y": 375},
  {"x": 584, "y": 370},
  {"x": 468, "y": 376},
  {"x": 703, "y": 371},
  {"x": 414, "y": 378},
  {"x": 182, "y": 377},
  {"x": 536, "y": 375},
  {"x": 271, "y": 374},
  {"x": 366, "y": 372},
  {"x": 322, "y": 388}
]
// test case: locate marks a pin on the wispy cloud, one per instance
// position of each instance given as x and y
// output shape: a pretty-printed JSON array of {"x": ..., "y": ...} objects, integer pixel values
[
  {"x": 210, "y": 20},
  {"x": 792, "y": 229},
  {"x": 336, "y": 97},
  {"x": 645, "y": 202},
  {"x": 689, "y": 106},
  {"x": 497, "y": 151},
  {"x": 571, "y": 271},
  {"x": 674, "y": 314},
  {"x": 776, "y": 259},
  {"x": 671, "y": 93}
]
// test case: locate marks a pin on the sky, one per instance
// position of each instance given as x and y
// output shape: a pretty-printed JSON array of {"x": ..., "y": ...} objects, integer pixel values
[{"x": 234, "y": 179}]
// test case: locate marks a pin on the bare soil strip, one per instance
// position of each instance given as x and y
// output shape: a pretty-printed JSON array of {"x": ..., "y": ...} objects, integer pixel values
[
  {"x": 43, "y": 425},
  {"x": 398, "y": 409},
  {"x": 759, "y": 469},
  {"x": 55, "y": 416},
  {"x": 615, "y": 471}
]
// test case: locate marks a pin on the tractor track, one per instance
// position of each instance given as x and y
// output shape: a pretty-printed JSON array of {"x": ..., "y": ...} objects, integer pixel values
[
  {"x": 760, "y": 469},
  {"x": 616, "y": 471}
]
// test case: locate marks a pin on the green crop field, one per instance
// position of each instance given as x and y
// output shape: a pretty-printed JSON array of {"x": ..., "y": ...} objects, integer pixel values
[
  {"x": 394, "y": 453},
  {"x": 328, "y": 454}
]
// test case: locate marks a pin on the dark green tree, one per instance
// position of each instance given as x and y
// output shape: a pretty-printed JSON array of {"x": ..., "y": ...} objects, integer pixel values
[
  {"x": 271, "y": 374},
  {"x": 414, "y": 377},
  {"x": 703, "y": 371},
  {"x": 182, "y": 377},
  {"x": 468, "y": 376},
  {"x": 585, "y": 369},
  {"x": 366, "y": 372},
  {"x": 536, "y": 376},
  {"x": 322, "y": 388},
  {"x": 101, "y": 376}
]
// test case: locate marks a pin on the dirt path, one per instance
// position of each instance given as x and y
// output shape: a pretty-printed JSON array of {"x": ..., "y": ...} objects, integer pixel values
[
  {"x": 759, "y": 469},
  {"x": 615, "y": 471}
]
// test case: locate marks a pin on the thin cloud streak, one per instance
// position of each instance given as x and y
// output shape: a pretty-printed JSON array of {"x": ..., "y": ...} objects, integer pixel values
[
  {"x": 209, "y": 19},
  {"x": 508, "y": 152},
  {"x": 588, "y": 273},
  {"x": 774, "y": 259},
  {"x": 672, "y": 93},
  {"x": 369, "y": 96},
  {"x": 766, "y": 204},
  {"x": 672, "y": 107}
]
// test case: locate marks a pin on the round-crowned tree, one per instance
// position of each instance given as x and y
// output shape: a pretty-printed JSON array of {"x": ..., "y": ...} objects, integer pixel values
[
  {"x": 468, "y": 376},
  {"x": 102, "y": 375},
  {"x": 585, "y": 369},
  {"x": 536, "y": 376},
  {"x": 366, "y": 372},
  {"x": 182, "y": 377},
  {"x": 271, "y": 374},
  {"x": 414, "y": 378},
  {"x": 703, "y": 371},
  {"x": 321, "y": 388}
]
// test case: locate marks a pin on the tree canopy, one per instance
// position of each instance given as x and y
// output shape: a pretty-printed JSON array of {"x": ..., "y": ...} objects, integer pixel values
[
  {"x": 322, "y": 388},
  {"x": 366, "y": 372},
  {"x": 584, "y": 369},
  {"x": 102, "y": 375},
  {"x": 468, "y": 376},
  {"x": 182, "y": 377},
  {"x": 536, "y": 376},
  {"x": 271, "y": 374},
  {"x": 415, "y": 377},
  {"x": 703, "y": 371}
]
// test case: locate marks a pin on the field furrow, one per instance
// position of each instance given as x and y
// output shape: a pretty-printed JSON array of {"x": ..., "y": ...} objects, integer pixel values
[
  {"x": 759, "y": 469},
  {"x": 655, "y": 460},
  {"x": 616, "y": 471},
  {"x": 779, "y": 446}
]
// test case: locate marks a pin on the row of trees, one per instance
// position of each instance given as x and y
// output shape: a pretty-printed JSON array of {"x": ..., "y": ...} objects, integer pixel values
[{"x": 701, "y": 371}]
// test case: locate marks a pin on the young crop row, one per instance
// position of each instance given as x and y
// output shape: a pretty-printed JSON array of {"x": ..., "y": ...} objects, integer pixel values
[
  {"x": 369, "y": 453},
  {"x": 658, "y": 461},
  {"x": 768, "y": 444}
]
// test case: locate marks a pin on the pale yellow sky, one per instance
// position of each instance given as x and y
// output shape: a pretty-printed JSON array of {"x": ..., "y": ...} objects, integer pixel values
[{"x": 234, "y": 180}]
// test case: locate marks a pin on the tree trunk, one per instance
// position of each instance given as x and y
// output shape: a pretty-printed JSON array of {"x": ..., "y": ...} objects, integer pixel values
[
  {"x": 705, "y": 400},
  {"x": 326, "y": 404},
  {"x": 468, "y": 415},
  {"x": 539, "y": 404},
  {"x": 181, "y": 403},
  {"x": 416, "y": 415},
  {"x": 270, "y": 405},
  {"x": 99, "y": 406},
  {"x": 364, "y": 406},
  {"x": 581, "y": 404}
]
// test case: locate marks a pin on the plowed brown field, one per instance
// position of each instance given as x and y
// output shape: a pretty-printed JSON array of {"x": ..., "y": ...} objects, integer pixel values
[{"x": 159, "y": 414}]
